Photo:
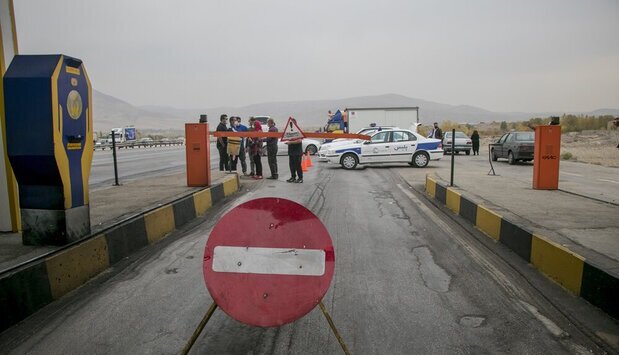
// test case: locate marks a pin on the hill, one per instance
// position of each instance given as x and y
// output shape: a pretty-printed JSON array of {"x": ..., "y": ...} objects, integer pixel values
[{"x": 111, "y": 112}]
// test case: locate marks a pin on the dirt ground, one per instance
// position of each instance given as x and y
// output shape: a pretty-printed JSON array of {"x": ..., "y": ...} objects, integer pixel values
[{"x": 591, "y": 147}]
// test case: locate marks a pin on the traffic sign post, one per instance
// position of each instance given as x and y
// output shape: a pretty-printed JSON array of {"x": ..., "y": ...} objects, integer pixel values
[
  {"x": 268, "y": 262},
  {"x": 273, "y": 268},
  {"x": 292, "y": 132}
]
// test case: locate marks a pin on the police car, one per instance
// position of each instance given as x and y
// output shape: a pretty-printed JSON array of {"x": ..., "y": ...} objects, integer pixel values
[
  {"x": 368, "y": 131},
  {"x": 391, "y": 146}
]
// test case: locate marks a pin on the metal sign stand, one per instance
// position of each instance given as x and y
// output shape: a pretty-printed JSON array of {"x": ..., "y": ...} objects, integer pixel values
[
  {"x": 491, "y": 172},
  {"x": 213, "y": 307},
  {"x": 114, "y": 158}
]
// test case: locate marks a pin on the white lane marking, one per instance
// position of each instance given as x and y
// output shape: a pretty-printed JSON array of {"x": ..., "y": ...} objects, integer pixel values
[
  {"x": 613, "y": 181},
  {"x": 550, "y": 325},
  {"x": 270, "y": 261},
  {"x": 563, "y": 172}
]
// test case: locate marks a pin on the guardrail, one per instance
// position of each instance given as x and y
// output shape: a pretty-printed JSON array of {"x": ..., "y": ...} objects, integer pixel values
[{"x": 133, "y": 145}]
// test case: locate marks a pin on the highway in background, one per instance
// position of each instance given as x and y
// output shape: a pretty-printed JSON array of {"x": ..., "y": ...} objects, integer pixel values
[
  {"x": 588, "y": 180},
  {"x": 140, "y": 162}
]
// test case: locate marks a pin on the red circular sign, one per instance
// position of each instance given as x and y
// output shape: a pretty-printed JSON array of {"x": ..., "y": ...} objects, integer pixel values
[{"x": 268, "y": 262}]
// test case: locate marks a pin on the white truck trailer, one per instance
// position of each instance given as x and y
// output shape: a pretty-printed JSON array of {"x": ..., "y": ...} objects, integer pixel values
[{"x": 402, "y": 117}]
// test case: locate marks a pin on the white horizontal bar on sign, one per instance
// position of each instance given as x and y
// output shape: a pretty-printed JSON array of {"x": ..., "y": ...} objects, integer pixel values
[{"x": 270, "y": 261}]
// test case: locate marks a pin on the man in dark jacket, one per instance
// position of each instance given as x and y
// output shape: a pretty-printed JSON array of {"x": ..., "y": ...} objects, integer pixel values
[
  {"x": 272, "y": 150},
  {"x": 436, "y": 132},
  {"x": 295, "y": 156},
  {"x": 222, "y": 143}
]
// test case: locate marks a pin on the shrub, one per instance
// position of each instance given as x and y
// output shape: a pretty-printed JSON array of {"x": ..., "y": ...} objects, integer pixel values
[{"x": 567, "y": 156}]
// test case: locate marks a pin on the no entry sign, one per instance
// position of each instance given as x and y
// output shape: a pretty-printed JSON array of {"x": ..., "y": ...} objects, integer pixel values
[{"x": 268, "y": 262}]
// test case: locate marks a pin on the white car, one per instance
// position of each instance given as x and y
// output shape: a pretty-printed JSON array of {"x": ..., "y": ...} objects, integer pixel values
[
  {"x": 390, "y": 146},
  {"x": 322, "y": 152},
  {"x": 462, "y": 143},
  {"x": 309, "y": 145}
]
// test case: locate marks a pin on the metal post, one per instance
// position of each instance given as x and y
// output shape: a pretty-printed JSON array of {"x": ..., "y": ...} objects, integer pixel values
[
  {"x": 453, "y": 151},
  {"x": 114, "y": 157},
  {"x": 199, "y": 329},
  {"x": 334, "y": 329}
]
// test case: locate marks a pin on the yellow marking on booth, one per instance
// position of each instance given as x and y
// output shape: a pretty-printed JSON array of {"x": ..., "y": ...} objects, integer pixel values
[
  {"x": 11, "y": 181},
  {"x": 88, "y": 151},
  {"x": 488, "y": 222},
  {"x": 430, "y": 186},
  {"x": 71, "y": 70},
  {"x": 62, "y": 160},
  {"x": 159, "y": 223},
  {"x": 72, "y": 268},
  {"x": 453, "y": 201},
  {"x": 563, "y": 266},
  {"x": 202, "y": 201},
  {"x": 231, "y": 186}
]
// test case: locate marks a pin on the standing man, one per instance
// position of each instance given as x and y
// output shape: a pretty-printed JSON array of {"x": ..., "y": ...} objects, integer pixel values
[
  {"x": 234, "y": 145},
  {"x": 295, "y": 154},
  {"x": 242, "y": 128},
  {"x": 272, "y": 150},
  {"x": 222, "y": 144},
  {"x": 436, "y": 132}
]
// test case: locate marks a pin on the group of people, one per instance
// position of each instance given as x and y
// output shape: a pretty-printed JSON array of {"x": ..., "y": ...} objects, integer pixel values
[
  {"x": 233, "y": 149},
  {"x": 437, "y": 132}
]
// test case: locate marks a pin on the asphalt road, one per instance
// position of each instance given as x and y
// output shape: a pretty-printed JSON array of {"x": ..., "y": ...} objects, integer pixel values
[
  {"x": 408, "y": 280},
  {"x": 140, "y": 162},
  {"x": 585, "y": 179}
]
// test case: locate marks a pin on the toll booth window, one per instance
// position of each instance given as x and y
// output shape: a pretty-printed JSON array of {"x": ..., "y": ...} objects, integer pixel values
[{"x": 381, "y": 137}]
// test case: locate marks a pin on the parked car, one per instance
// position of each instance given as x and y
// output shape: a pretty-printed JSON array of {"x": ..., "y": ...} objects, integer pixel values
[
  {"x": 514, "y": 146},
  {"x": 389, "y": 146},
  {"x": 263, "y": 122},
  {"x": 462, "y": 143}
]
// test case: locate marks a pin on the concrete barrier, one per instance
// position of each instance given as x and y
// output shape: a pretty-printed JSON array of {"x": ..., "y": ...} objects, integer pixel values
[
  {"x": 567, "y": 268},
  {"x": 29, "y": 288}
]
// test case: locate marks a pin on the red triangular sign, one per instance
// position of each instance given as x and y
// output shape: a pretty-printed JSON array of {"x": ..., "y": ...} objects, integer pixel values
[{"x": 292, "y": 132}]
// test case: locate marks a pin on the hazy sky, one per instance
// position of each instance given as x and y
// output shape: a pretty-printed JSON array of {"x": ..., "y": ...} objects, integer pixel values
[{"x": 500, "y": 55}]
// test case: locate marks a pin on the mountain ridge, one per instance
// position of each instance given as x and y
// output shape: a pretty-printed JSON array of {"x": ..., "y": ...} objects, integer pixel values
[{"x": 110, "y": 111}]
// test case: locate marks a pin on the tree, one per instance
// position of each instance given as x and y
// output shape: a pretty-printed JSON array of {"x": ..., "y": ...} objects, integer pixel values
[{"x": 503, "y": 126}]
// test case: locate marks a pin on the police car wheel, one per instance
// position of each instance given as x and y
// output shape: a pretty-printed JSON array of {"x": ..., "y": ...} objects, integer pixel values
[
  {"x": 421, "y": 159},
  {"x": 349, "y": 161},
  {"x": 311, "y": 149}
]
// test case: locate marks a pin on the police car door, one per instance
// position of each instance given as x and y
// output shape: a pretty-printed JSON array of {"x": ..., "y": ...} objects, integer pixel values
[
  {"x": 377, "y": 149},
  {"x": 403, "y": 145}
]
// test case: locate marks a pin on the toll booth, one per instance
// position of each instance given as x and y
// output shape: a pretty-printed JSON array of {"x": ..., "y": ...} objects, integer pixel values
[
  {"x": 197, "y": 150},
  {"x": 48, "y": 109},
  {"x": 546, "y": 157}
]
